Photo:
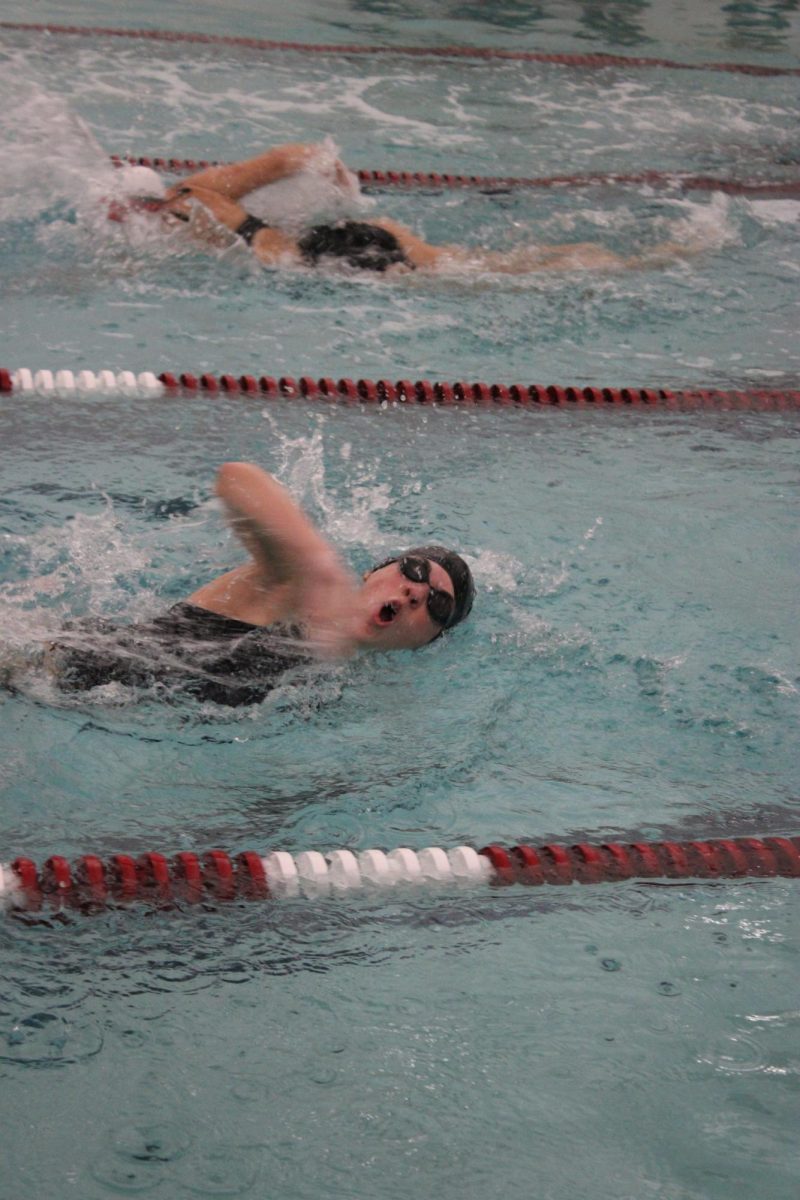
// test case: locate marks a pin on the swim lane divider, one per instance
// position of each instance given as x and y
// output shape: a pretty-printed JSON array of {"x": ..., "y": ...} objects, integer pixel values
[
  {"x": 472, "y": 52},
  {"x": 65, "y": 384},
  {"x": 434, "y": 179},
  {"x": 191, "y": 877}
]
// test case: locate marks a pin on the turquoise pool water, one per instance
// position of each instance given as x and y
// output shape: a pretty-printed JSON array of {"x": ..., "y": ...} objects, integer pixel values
[{"x": 631, "y": 668}]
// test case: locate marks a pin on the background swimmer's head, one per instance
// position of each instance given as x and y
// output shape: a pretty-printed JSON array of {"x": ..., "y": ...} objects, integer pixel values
[
  {"x": 366, "y": 247},
  {"x": 138, "y": 181},
  {"x": 458, "y": 571}
]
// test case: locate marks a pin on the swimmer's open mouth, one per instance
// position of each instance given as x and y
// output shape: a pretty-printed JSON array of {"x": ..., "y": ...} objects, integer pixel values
[{"x": 387, "y": 613}]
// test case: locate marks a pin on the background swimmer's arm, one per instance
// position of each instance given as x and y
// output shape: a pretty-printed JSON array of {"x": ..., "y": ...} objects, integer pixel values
[
  {"x": 586, "y": 256},
  {"x": 237, "y": 179},
  {"x": 572, "y": 256},
  {"x": 268, "y": 244},
  {"x": 417, "y": 251}
]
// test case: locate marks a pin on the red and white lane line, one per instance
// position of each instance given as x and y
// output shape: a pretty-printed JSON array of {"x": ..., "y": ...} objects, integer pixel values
[
  {"x": 188, "y": 877},
  {"x": 63, "y": 384}
]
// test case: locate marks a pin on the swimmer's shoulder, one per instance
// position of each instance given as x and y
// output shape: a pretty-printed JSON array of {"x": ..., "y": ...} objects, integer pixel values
[
  {"x": 418, "y": 252},
  {"x": 272, "y": 246}
]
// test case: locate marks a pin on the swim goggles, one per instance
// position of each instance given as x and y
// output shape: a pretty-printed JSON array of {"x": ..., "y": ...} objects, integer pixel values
[{"x": 440, "y": 604}]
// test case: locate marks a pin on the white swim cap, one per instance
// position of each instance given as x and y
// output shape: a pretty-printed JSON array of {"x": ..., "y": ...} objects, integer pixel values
[{"x": 138, "y": 181}]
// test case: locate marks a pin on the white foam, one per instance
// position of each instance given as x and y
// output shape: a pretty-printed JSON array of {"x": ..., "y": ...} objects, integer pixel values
[
  {"x": 83, "y": 561},
  {"x": 359, "y": 101},
  {"x": 493, "y": 569},
  {"x": 138, "y": 181},
  {"x": 775, "y": 212},
  {"x": 706, "y": 225},
  {"x": 301, "y": 468},
  {"x": 322, "y": 190},
  {"x": 531, "y": 632},
  {"x": 49, "y": 152}
]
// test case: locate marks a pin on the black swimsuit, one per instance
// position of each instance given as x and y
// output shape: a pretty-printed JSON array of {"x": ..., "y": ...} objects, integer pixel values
[{"x": 210, "y": 656}]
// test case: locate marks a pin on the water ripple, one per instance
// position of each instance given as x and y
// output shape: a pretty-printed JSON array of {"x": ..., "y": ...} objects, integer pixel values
[{"x": 44, "y": 1039}]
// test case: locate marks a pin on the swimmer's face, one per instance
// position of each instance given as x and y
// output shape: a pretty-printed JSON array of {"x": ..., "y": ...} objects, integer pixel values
[{"x": 393, "y": 610}]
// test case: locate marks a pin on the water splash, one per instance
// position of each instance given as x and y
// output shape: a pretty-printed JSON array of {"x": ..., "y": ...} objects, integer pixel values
[
  {"x": 88, "y": 563},
  {"x": 50, "y": 154},
  {"x": 323, "y": 191},
  {"x": 301, "y": 468},
  {"x": 705, "y": 225}
]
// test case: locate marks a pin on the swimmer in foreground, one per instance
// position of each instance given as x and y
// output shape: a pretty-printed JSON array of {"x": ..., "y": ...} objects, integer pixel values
[
  {"x": 211, "y": 201},
  {"x": 293, "y": 602}
]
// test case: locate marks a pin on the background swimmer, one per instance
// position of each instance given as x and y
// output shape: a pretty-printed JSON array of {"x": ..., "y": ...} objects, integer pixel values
[
  {"x": 210, "y": 201},
  {"x": 293, "y": 601}
]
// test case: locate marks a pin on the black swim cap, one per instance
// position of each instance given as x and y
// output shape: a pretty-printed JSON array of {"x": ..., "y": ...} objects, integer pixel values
[
  {"x": 368, "y": 247},
  {"x": 457, "y": 569}
]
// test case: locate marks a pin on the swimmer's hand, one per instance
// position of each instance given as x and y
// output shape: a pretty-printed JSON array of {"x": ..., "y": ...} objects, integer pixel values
[
  {"x": 207, "y": 213},
  {"x": 181, "y": 202},
  {"x": 323, "y": 159},
  {"x": 213, "y": 217},
  {"x": 343, "y": 178}
]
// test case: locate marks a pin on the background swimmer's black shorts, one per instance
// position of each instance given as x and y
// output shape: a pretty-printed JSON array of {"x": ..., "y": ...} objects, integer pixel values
[{"x": 368, "y": 247}]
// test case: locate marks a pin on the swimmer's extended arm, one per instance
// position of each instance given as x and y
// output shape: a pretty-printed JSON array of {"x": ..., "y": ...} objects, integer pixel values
[
  {"x": 581, "y": 256},
  {"x": 237, "y": 179},
  {"x": 294, "y": 571}
]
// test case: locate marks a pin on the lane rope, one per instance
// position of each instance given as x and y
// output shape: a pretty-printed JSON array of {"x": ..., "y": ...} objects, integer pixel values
[
  {"x": 597, "y": 60},
  {"x": 65, "y": 383},
  {"x": 189, "y": 877},
  {"x": 376, "y": 180}
]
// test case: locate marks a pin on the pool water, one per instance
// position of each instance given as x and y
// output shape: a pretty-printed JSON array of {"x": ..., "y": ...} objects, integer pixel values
[{"x": 630, "y": 669}]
